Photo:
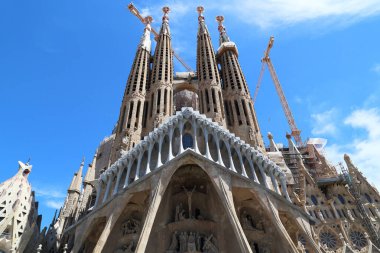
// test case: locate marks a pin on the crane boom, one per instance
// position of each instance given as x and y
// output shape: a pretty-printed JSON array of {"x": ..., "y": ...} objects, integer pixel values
[
  {"x": 136, "y": 12},
  {"x": 285, "y": 106}
]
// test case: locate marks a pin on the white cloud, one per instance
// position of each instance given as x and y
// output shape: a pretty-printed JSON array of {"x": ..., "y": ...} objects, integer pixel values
[
  {"x": 376, "y": 68},
  {"x": 145, "y": 12},
  {"x": 48, "y": 193},
  {"x": 323, "y": 123},
  {"x": 54, "y": 204},
  {"x": 269, "y": 13},
  {"x": 364, "y": 150},
  {"x": 276, "y": 13}
]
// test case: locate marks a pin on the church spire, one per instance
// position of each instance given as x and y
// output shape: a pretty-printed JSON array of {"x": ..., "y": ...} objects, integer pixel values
[
  {"x": 160, "y": 90},
  {"x": 241, "y": 116},
  {"x": 77, "y": 179},
  {"x": 210, "y": 93},
  {"x": 133, "y": 108}
]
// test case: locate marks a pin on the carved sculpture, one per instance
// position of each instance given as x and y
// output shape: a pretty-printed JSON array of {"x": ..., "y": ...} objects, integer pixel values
[
  {"x": 191, "y": 247},
  {"x": 131, "y": 226},
  {"x": 174, "y": 243},
  {"x": 189, "y": 194}
]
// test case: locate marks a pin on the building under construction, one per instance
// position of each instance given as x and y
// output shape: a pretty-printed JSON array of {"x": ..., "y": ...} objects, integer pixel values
[{"x": 186, "y": 169}]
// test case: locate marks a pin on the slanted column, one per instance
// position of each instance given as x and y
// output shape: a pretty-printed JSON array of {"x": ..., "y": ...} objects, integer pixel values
[
  {"x": 205, "y": 133},
  {"x": 331, "y": 202},
  {"x": 109, "y": 181},
  {"x": 180, "y": 124},
  {"x": 116, "y": 188},
  {"x": 130, "y": 162},
  {"x": 228, "y": 146},
  {"x": 98, "y": 187},
  {"x": 284, "y": 189},
  {"x": 170, "y": 143},
  {"x": 216, "y": 137},
  {"x": 195, "y": 142},
  {"x": 160, "y": 140},
  {"x": 151, "y": 145},
  {"x": 252, "y": 167},
  {"x": 274, "y": 182},
  {"x": 241, "y": 162},
  {"x": 137, "y": 175},
  {"x": 262, "y": 172}
]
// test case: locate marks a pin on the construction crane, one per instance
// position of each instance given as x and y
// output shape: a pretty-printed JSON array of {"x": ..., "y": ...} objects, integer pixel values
[
  {"x": 136, "y": 12},
  {"x": 285, "y": 106}
]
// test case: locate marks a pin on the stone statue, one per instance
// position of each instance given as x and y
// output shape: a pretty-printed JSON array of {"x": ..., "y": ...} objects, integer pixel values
[
  {"x": 131, "y": 226},
  {"x": 181, "y": 216},
  {"x": 251, "y": 134},
  {"x": 189, "y": 194},
  {"x": 191, "y": 247},
  {"x": 247, "y": 221},
  {"x": 174, "y": 243},
  {"x": 182, "y": 242},
  {"x": 179, "y": 212},
  {"x": 199, "y": 241}
]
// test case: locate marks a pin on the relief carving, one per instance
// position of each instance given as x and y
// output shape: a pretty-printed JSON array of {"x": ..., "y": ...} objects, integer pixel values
[{"x": 131, "y": 226}]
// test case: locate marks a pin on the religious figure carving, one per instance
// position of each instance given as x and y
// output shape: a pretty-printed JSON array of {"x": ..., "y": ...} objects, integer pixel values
[
  {"x": 182, "y": 242},
  {"x": 179, "y": 213},
  {"x": 131, "y": 226},
  {"x": 191, "y": 247},
  {"x": 251, "y": 134},
  {"x": 246, "y": 220},
  {"x": 189, "y": 194},
  {"x": 174, "y": 243}
]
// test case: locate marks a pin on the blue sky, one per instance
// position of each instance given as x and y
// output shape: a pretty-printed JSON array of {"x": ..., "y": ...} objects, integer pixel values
[{"x": 64, "y": 66}]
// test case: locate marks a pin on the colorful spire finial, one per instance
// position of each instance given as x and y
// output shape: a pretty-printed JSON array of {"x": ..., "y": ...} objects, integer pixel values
[
  {"x": 200, "y": 11},
  {"x": 148, "y": 20},
  {"x": 166, "y": 10}
]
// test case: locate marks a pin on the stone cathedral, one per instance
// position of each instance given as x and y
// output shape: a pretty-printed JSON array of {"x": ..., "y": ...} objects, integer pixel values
[{"x": 186, "y": 170}]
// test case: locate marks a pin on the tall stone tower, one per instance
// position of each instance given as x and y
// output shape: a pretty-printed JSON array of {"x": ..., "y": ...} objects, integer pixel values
[
  {"x": 240, "y": 114},
  {"x": 132, "y": 117},
  {"x": 19, "y": 219},
  {"x": 202, "y": 181},
  {"x": 210, "y": 91},
  {"x": 161, "y": 84}
]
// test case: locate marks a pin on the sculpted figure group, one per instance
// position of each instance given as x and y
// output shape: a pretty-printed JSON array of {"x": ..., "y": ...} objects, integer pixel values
[{"x": 192, "y": 242}]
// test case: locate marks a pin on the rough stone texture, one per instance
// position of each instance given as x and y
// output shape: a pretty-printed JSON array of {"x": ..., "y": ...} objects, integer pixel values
[
  {"x": 204, "y": 182},
  {"x": 19, "y": 219}
]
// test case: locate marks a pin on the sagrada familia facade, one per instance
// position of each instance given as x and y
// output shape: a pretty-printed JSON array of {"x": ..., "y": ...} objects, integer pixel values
[{"x": 186, "y": 170}]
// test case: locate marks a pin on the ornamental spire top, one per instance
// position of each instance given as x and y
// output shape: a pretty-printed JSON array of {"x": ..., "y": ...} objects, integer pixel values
[
  {"x": 165, "y": 21},
  {"x": 145, "y": 42},
  {"x": 222, "y": 30},
  {"x": 202, "y": 26}
]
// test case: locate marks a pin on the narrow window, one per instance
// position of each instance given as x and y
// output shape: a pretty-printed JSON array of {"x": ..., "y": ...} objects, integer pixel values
[
  {"x": 207, "y": 101},
  {"x": 214, "y": 100},
  {"x": 158, "y": 101},
  {"x": 245, "y": 113},
  {"x": 122, "y": 119},
  {"x": 151, "y": 105},
  {"x": 137, "y": 114},
  {"x": 130, "y": 114},
  {"x": 145, "y": 112},
  {"x": 165, "y": 100}
]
